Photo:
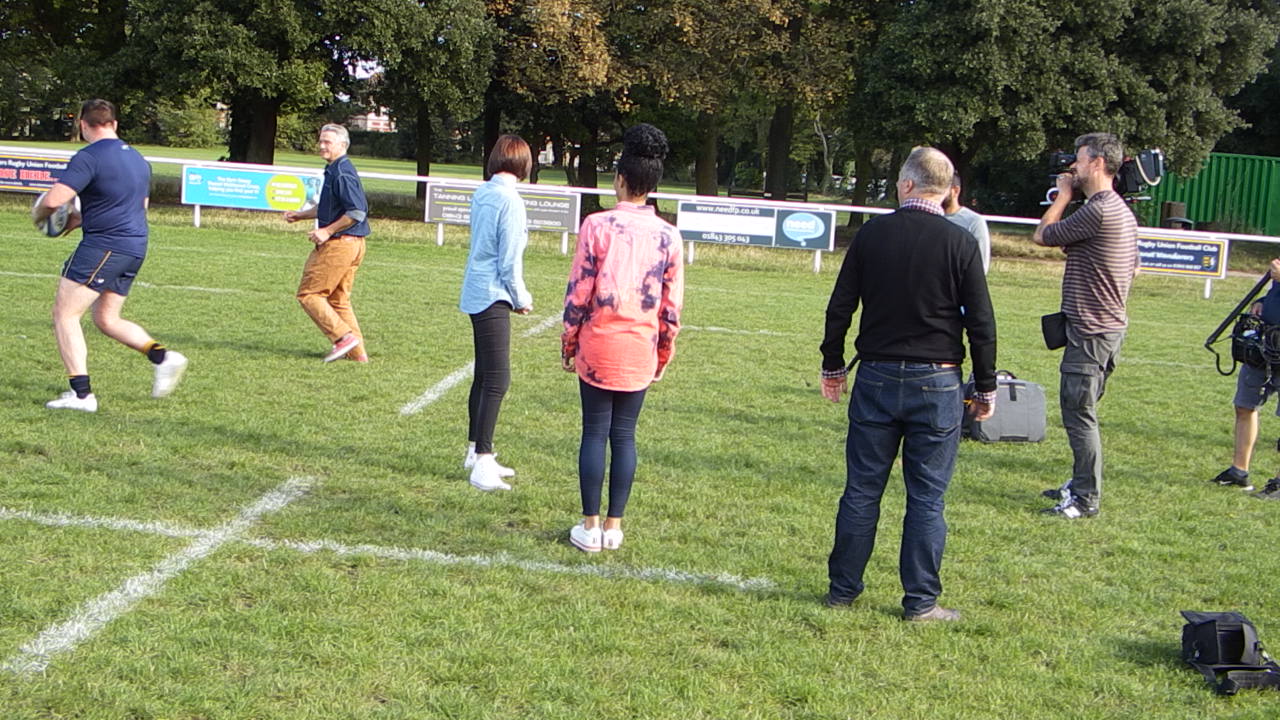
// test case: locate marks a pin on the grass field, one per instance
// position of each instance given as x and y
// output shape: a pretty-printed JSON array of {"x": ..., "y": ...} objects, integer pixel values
[{"x": 278, "y": 539}]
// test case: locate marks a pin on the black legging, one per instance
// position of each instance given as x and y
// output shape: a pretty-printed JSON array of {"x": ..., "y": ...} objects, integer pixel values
[
  {"x": 492, "y": 330},
  {"x": 607, "y": 415}
]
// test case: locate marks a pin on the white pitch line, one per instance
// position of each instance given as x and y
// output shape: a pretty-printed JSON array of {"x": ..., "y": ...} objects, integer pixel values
[
  {"x": 731, "y": 331},
  {"x": 139, "y": 283},
  {"x": 34, "y": 656},
  {"x": 88, "y": 521},
  {"x": 435, "y": 392},
  {"x": 755, "y": 584},
  {"x": 503, "y": 560}
]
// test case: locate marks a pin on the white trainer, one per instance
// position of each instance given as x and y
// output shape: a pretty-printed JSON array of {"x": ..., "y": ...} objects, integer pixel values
[
  {"x": 168, "y": 373},
  {"x": 484, "y": 474},
  {"x": 470, "y": 462},
  {"x": 584, "y": 539},
  {"x": 69, "y": 401},
  {"x": 612, "y": 539}
]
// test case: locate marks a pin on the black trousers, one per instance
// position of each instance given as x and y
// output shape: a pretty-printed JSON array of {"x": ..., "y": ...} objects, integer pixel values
[{"x": 492, "y": 330}]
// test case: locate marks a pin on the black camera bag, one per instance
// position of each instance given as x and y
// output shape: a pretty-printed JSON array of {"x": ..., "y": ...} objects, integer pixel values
[{"x": 1224, "y": 647}]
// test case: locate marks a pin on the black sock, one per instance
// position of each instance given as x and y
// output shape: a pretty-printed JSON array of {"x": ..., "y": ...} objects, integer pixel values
[
  {"x": 80, "y": 384},
  {"x": 155, "y": 352}
]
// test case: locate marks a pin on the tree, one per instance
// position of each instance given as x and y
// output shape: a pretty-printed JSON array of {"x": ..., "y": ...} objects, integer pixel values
[
  {"x": 440, "y": 70},
  {"x": 56, "y": 54},
  {"x": 992, "y": 79},
  {"x": 1259, "y": 105}
]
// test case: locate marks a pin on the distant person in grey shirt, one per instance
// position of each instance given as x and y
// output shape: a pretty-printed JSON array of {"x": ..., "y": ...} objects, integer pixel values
[{"x": 969, "y": 220}]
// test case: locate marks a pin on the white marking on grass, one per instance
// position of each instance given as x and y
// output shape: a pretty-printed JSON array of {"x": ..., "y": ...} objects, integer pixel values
[
  {"x": 1168, "y": 363},
  {"x": 86, "y": 521},
  {"x": 503, "y": 560},
  {"x": 139, "y": 283},
  {"x": 731, "y": 331},
  {"x": 437, "y": 391},
  {"x": 34, "y": 656}
]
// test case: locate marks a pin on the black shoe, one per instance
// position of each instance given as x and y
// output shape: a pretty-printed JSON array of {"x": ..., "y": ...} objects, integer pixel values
[
  {"x": 1271, "y": 491},
  {"x": 1059, "y": 493},
  {"x": 835, "y": 601},
  {"x": 937, "y": 613},
  {"x": 1228, "y": 478},
  {"x": 1072, "y": 509}
]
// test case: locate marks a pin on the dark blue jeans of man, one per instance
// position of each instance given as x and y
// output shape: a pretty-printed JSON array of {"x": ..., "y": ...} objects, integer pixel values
[{"x": 918, "y": 407}]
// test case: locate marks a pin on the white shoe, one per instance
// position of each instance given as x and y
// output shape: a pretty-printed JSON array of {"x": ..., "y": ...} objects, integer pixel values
[
  {"x": 485, "y": 476},
  {"x": 584, "y": 539},
  {"x": 168, "y": 373},
  {"x": 470, "y": 461},
  {"x": 612, "y": 539},
  {"x": 69, "y": 401}
]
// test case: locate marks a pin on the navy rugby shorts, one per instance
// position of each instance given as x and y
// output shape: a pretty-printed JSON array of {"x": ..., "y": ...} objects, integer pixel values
[{"x": 102, "y": 270}]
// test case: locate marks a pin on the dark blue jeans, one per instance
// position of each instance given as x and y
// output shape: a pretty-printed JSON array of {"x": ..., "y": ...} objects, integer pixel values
[
  {"x": 608, "y": 416},
  {"x": 917, "y": 406}
]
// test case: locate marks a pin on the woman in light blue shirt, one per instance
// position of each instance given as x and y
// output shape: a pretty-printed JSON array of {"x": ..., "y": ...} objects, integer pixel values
[{"x": 492, "y": 287}]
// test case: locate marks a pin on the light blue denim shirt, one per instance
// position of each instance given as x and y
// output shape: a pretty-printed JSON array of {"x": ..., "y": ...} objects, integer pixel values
[{"x": 499, "y": 233}]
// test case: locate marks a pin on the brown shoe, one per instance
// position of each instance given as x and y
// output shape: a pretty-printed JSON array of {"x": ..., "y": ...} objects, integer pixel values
[{"x": 935, "y": 613}]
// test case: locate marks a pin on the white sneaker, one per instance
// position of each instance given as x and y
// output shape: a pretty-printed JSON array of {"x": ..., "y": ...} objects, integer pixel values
[
  {"x": 69, "y": 401},
  {"x": 470, "y": 461},
  {"x": 168, "y": 373},
  {"x": 485, "y": 476},
  {"x": 612, "y": 539},
  {"x": 584, "y": 539}
]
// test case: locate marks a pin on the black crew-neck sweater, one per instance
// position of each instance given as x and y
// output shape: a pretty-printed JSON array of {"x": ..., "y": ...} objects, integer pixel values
[{"x": 912, "y": 273}]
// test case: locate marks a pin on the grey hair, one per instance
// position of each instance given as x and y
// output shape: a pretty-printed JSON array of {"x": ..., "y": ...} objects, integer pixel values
[
  {"x": 929, "y": 169},
  {"x": 338, "y": 130},
  {"x": 1105, "y": 146}
]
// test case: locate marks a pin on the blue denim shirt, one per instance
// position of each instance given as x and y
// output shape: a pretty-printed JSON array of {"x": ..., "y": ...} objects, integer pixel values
[
  {"x": 499, "y": 233},
  {"x": 343, "y": 194}
]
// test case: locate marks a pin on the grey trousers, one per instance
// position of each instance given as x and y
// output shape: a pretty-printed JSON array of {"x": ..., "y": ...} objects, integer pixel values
[{"x": 1087, "y": 362}]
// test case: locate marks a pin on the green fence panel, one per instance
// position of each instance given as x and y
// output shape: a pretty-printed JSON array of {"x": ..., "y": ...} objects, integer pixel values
[{"x": 1232, "y": 193}]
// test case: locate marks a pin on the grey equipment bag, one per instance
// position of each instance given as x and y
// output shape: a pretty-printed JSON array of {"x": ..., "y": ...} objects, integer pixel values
[{"x": 1019, "y": 415}]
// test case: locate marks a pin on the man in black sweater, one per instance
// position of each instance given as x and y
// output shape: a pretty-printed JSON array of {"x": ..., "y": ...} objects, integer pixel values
[{"x": 920, "y": 282}]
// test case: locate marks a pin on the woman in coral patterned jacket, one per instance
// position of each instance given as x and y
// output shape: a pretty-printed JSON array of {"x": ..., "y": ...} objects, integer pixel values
[{"x": 621, "y": 317}]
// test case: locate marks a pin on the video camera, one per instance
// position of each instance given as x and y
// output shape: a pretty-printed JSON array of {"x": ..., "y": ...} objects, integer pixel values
[{"x": 1136, "y": 173}]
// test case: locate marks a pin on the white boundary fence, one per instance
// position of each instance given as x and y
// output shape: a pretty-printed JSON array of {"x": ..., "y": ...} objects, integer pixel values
[{"x": 1189, "y": 235}]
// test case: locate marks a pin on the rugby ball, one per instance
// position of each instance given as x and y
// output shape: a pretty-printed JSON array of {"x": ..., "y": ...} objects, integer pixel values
[{"x": 56, "y": 225}]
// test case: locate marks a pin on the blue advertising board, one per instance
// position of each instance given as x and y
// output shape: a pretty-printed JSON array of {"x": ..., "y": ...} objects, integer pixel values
[
  {"x": 249, "y": 189},
  {"x": 22, "y": 172},
  {"x": 730, "y": 223}
]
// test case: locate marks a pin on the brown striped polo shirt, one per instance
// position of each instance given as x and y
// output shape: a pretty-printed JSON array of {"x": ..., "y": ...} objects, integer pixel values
[{"x": 1101, "y": 243}]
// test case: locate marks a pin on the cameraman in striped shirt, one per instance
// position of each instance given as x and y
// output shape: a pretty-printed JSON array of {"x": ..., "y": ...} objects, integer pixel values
[{"x": 1100, "y": 240}]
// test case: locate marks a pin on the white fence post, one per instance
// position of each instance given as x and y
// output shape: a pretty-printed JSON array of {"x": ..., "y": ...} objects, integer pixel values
[
  {"x": 195, "y": 215},
  {"x": 689, "y": 256},
  {"x": 564, "y": 243},
  {"x": 817, "y": 261},
  {"x": 439, "y": 234}
]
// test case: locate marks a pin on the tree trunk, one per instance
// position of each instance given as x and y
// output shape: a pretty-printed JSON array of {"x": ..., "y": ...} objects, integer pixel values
[
  {"x": 253, "y": 128},
  {"x": 780, "y": 133},
  {"x": 535, "y": 142},
  {"x": 492, "y": 123},
  {"x": 863, "y": 178},
  {"x": 423, "y": 145},
  {"x": 705, "y": 171},
  {"x": 588, "y": 176}
]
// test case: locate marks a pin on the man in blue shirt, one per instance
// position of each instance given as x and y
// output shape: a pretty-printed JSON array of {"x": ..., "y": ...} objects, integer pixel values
[
  {"x": 113, "y": 183},
  {"x": 1254, "y": 386},
  {"x": 330, "y": 272}
]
